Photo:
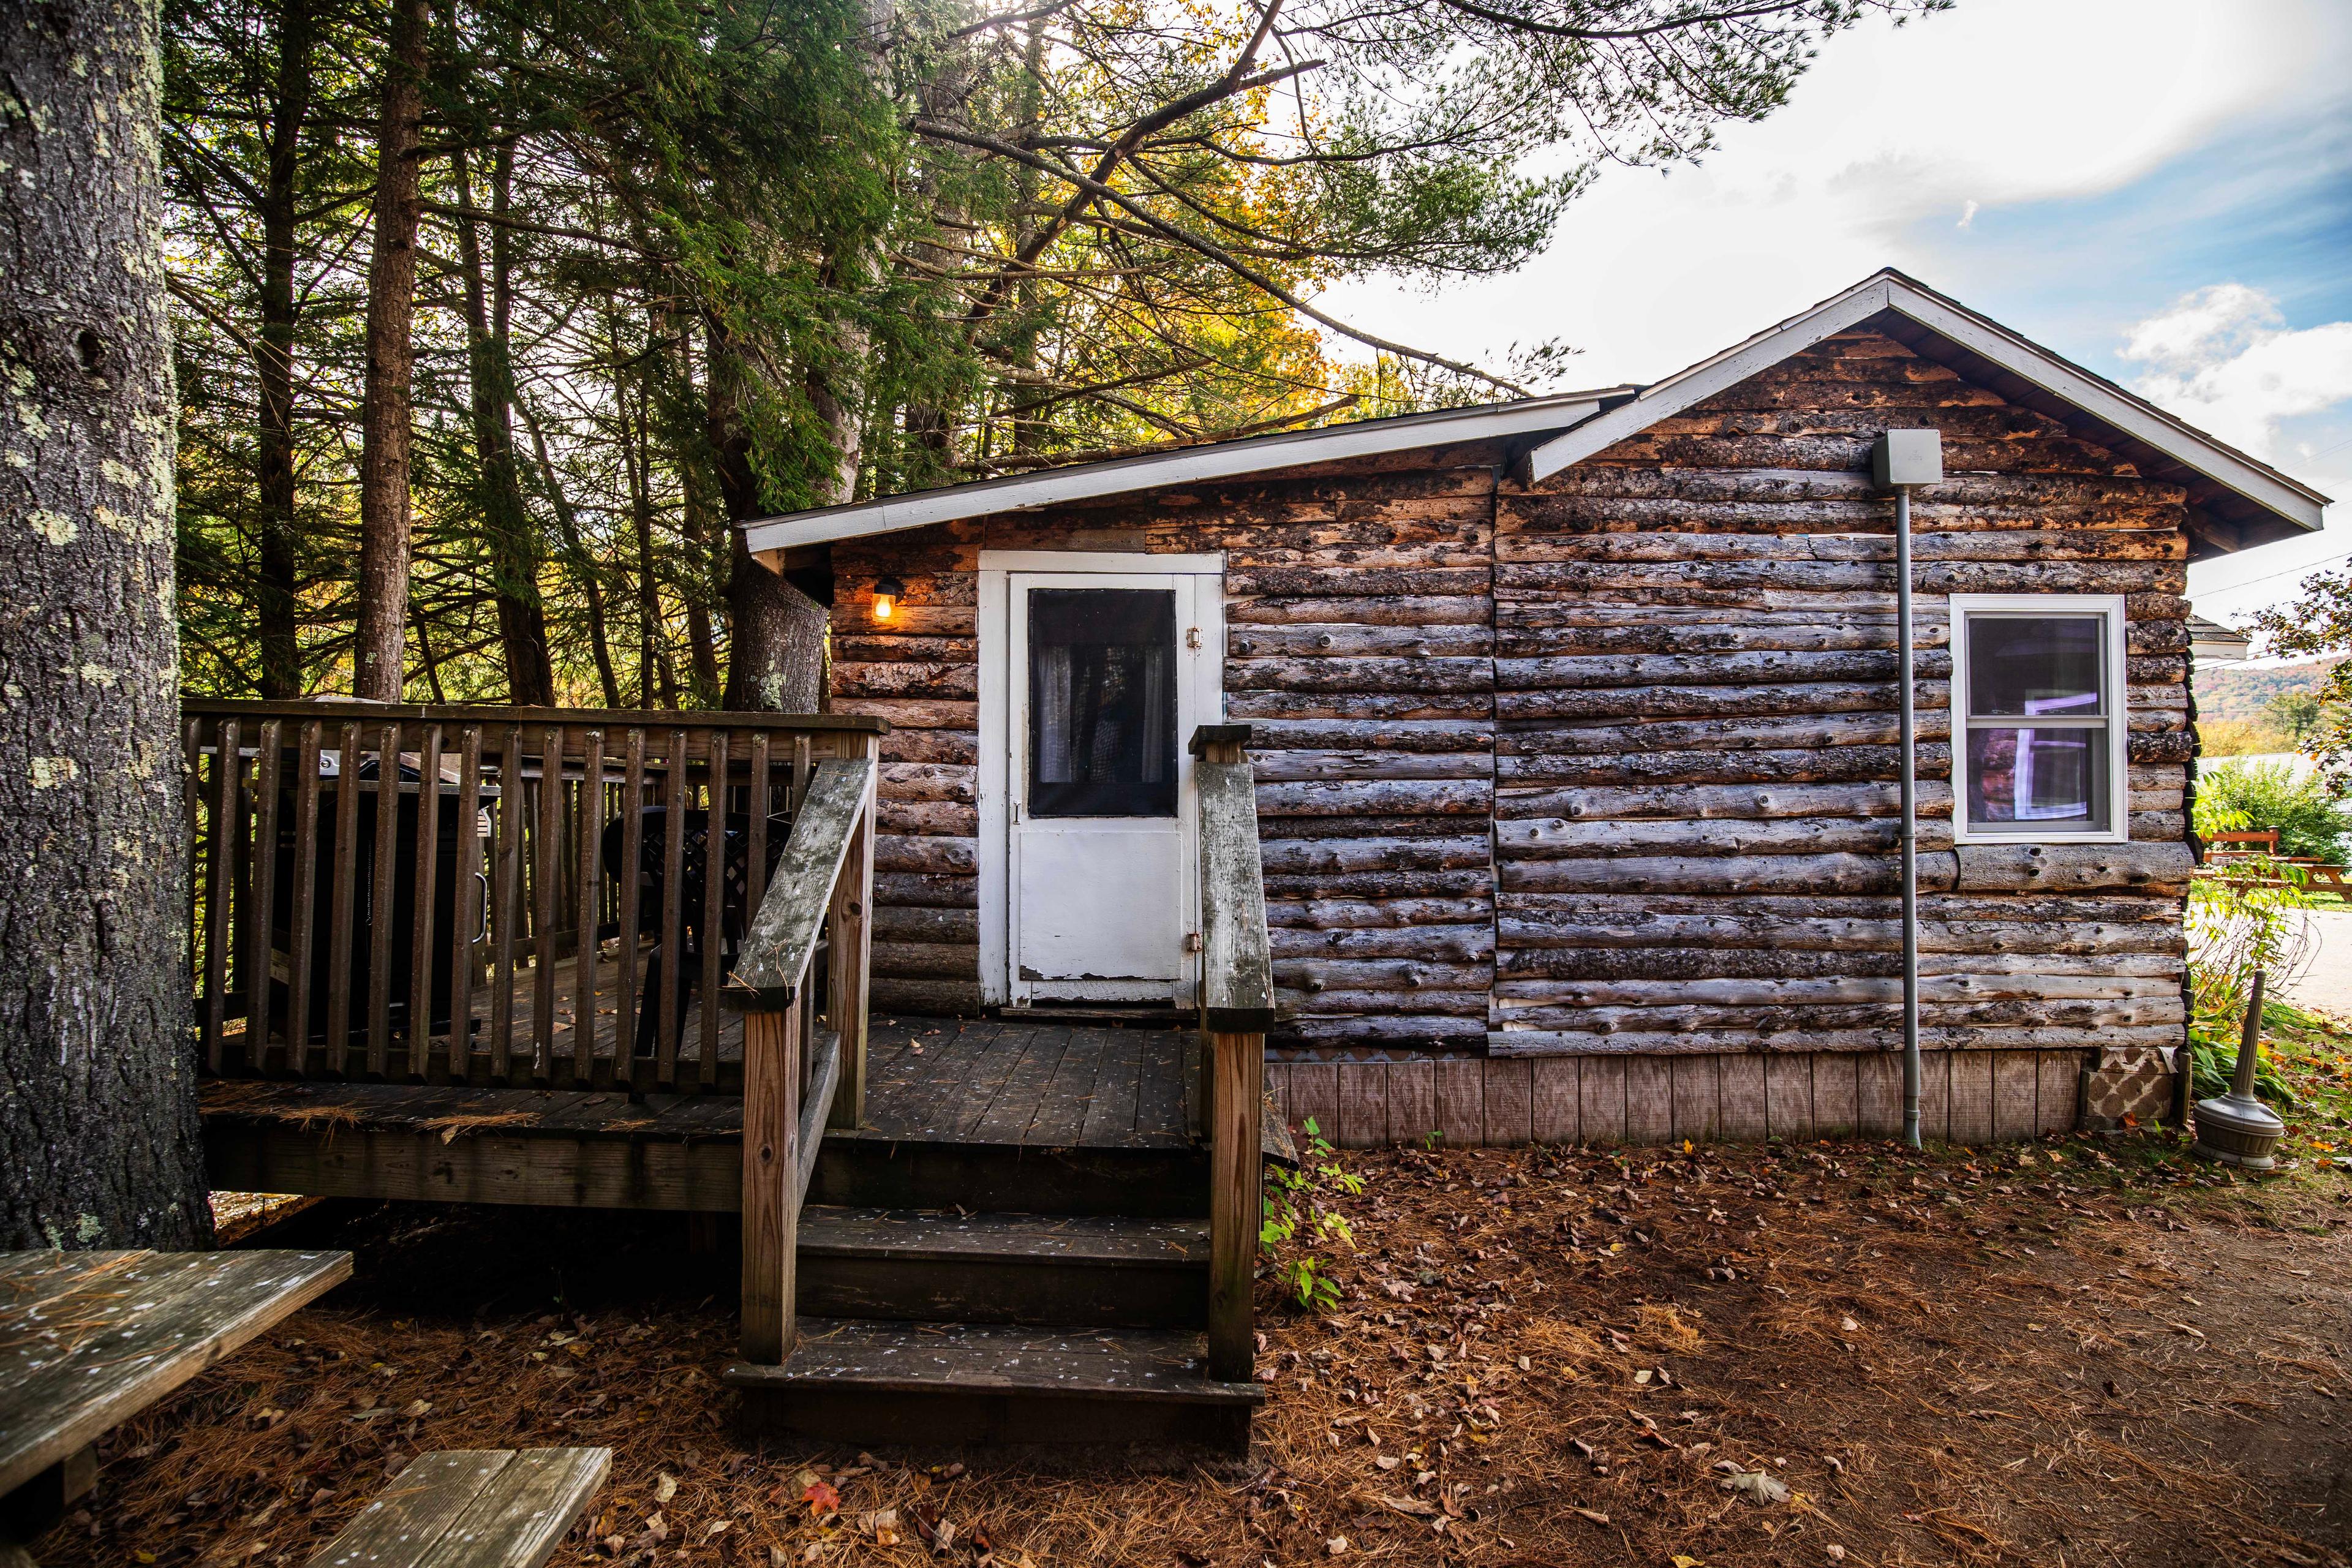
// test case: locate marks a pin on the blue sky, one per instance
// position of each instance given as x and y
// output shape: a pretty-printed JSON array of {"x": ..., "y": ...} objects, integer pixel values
[{"x": 2160, "y": 190}]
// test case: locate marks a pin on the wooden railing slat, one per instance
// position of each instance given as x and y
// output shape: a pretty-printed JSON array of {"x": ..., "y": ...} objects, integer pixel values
[
  {"x": 506, "y": 889},
  {"x": 423, "y": 888},
  {"x": 259, "y": 937},
  {"x": 624, "y": 1011},
  {"x": 589, "y": 815},
  {"x": 546, "y": 858},
  {"x": 226, "y": 768},
  {"x": 387, "y": 871},
  {"x": 672, "y": 923},
  {"x": 469, "y": 896},
  {"x": 714, "y": 906},
  {"x": 303, "y": 922},
  {"x": 344, "y": 891}
]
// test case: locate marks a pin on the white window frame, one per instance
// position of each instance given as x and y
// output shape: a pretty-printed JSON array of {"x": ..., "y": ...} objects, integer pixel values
[{"x": 2117, "y": 675}]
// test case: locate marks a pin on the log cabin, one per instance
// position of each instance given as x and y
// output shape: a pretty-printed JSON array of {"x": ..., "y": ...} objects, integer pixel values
[
  {"x": 1524, "y": 772},
  {"x": 1574, "y": 733}
]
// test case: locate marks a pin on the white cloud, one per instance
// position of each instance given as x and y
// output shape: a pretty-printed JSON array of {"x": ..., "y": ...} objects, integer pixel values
[
  {"x": 2224, "y": 359},
  {"x": 1970, "y": 113}
]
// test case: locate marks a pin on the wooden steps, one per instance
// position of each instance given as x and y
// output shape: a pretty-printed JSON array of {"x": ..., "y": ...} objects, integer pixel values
[
  {"x": 1083, "y": 1270},
  {"x": 867, "y": 1382}
]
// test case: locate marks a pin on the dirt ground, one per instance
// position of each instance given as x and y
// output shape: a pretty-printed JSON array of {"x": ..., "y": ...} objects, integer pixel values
[{"x": 2084, "y": 1351}]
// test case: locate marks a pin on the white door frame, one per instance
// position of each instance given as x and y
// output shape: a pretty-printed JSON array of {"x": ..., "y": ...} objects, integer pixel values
[{"x": 1205, "y": 697}]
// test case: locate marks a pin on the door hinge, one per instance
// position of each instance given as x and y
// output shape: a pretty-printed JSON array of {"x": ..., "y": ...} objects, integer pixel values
[
  {"x": 1192, "y": 941},
  {"x": 1192, "y": 637}
]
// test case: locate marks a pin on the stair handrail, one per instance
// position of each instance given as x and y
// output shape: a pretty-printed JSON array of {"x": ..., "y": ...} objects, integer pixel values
[
  {"x": 798, "y": 1080},
  {"x": 1236, "y": 1006}
]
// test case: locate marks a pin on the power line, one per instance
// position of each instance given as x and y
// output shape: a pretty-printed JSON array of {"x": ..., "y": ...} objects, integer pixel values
[{"x": 2288, "y": 571}]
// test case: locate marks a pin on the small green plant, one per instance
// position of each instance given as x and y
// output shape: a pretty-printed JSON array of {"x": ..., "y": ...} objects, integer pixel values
[
  {"x": 1297, "y": 1214},
  {"x": 1431, "y": 1139}
]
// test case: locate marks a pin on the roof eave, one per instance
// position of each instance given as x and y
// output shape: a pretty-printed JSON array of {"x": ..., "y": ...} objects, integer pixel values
[
  {"x": 2284, "y": 501},
  {"x": 1205, "y": 464}
]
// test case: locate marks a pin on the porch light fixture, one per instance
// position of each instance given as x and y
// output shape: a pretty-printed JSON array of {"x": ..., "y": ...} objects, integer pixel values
[{"x": 886, "y": 595}]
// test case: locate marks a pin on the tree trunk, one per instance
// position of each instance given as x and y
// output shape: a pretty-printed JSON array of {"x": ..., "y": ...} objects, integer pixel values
[
  {"x": 279, "y": 588},
  {"x": 384, "y": 434},
  {"x": 99, "y": 1142},
  {"x": 636, "y": 457},
  {"x": 514, "y": 553},
  {"x": 776, "y": 632},
  {"x": 583, "y": 567}
]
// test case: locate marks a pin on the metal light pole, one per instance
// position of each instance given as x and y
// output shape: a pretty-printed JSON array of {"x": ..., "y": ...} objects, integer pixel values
[{"x": 1900, "y": 460}]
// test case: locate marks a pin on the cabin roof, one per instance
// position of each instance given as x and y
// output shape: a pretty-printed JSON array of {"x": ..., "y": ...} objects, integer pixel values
[
  {"x": 1206, "y": 463},
  {"x": 2236, "y": 500}
]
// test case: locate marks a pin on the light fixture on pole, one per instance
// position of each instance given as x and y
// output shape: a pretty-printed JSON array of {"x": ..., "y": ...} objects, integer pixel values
[{"x": 1901, "y": 460}]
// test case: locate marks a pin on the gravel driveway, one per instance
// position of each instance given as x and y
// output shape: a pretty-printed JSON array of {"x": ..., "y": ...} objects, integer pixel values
[{"x": 2327, "y": 982}]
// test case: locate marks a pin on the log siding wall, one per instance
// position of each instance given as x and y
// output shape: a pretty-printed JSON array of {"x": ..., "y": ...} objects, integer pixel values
[{"x": 1606, "y": 767}]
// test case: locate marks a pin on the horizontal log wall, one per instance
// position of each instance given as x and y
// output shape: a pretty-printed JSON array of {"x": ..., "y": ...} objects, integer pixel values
[
  {"x": 1606, "y": 768},
  {"x": 1359, "y": 643},
  {"x": 1967, "y": 1098},
  {"x": 1696, "y": 830}
]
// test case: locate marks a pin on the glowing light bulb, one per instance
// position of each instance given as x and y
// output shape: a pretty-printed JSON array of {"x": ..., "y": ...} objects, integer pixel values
[{"x": 886, "y": 595}]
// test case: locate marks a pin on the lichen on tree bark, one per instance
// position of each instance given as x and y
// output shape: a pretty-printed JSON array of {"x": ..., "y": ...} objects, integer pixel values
[{"x": 99, "y": 1140}]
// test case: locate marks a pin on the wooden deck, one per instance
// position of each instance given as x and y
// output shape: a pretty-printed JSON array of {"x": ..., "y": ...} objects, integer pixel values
[{"x": 958, "y": 1111}]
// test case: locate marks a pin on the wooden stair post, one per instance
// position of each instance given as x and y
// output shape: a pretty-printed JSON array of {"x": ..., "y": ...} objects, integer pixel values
[
  {"x": 791, "y": 1074},
  {"x": 1237, "y": 1011}
]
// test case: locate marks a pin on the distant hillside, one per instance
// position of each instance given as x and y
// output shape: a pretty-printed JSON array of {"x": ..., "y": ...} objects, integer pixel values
[{"x": 2236, "y": 691}]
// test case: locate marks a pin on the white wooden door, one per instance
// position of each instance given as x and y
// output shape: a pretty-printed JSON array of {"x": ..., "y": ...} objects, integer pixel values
[{"x": 1107, "y": 673}]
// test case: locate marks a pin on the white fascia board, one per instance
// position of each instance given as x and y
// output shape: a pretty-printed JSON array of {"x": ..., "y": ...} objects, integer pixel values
[
  {"x": 2182, "y": 443},
  {"x": 1190, "y": 465}
]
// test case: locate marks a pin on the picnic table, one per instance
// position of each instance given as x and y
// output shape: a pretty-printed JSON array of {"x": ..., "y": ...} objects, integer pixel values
[{"x": 89, "y": 1339}]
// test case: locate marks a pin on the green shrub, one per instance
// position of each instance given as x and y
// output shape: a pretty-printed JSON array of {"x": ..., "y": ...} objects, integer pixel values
[{"x": 2266, "y": 795}]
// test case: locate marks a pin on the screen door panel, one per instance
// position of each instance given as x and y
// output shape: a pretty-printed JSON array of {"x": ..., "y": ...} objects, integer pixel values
[{"x": 1102, "y": 702}]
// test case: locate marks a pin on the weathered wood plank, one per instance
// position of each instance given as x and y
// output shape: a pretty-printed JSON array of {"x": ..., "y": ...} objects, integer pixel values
[
  {"x": 1878, "y": 1095},
  {"x": 1554, "y": 1089},
  {"x": 1413, "y": 1101},
  {"x": 774, "y": 960},
  {"x": 1697, "y": 1099},
  {"x": 1971, "y": 1097},
  {"x": 2016, "y": 1085},
  {"x": 1601, "y": 1105},
  {"x": 1836, "y": 1110},
  {"x": 1509, "y": 1111},
  {"x": 97, "y": 1337},
  {"x": 1462, "y": 1102},
  {"x": 1740, "y": 1084},
  {"x": 1649, "y": 1100},
  {"x": 1789, "y": 1097},
  {"x": 1363, "y": 1115}
]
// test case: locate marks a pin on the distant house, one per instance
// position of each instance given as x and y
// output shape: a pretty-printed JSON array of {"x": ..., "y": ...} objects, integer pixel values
[{"x": 1573, "y": 720}]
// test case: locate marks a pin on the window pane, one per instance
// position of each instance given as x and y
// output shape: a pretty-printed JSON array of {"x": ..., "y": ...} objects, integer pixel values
[
  {"x": 2029, "y": 780},
  {"x": 1102, "y": 702},
  {"x": 2033, "y": 664}
]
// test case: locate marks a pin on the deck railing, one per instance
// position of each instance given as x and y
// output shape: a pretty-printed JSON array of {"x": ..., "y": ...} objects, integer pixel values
[
  {"x": 442, "y": 894},
  {"x": 800, "y": 1072},
  {"x": 1237, "y": 1011}
]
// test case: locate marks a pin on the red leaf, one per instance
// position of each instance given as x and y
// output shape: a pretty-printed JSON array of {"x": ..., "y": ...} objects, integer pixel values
[{"x": 821, "y": 1498}]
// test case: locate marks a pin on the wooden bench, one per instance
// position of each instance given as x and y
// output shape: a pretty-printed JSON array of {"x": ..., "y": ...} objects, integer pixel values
[{"x": 472, "y": 1508}]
